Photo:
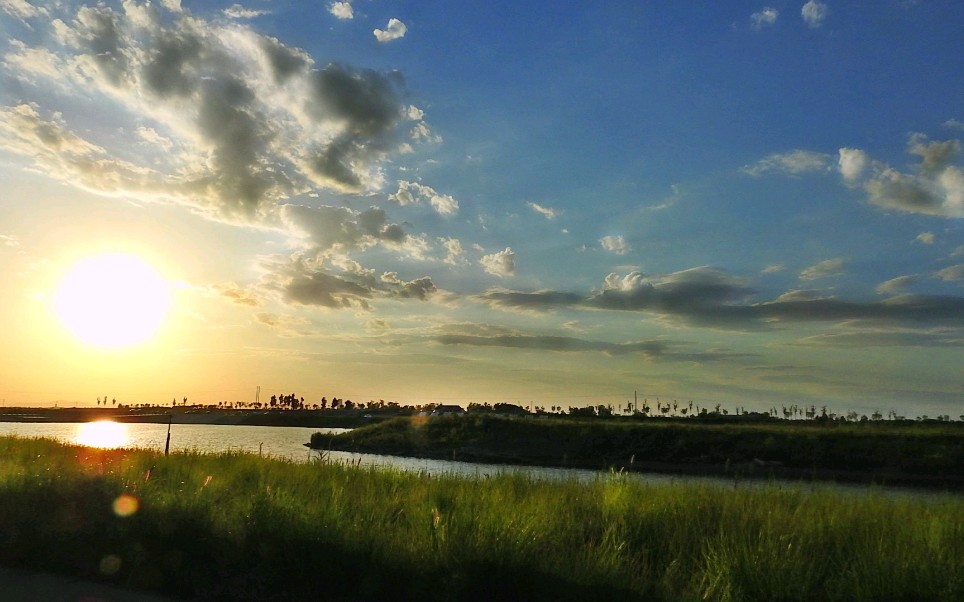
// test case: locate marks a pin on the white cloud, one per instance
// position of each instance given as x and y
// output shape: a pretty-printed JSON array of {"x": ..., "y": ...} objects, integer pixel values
[
  {"x": 545, "y": 212},
  {"x": 151, "y": 136},
  {"x": 393, "y": 31},
  {"x": 414, "y": 113},
  {"x": 773, "y": 269},
  {"x": 341, "y": 10},
  {"x": 935, "y": 156},
  {"x": 454, "y": 253},
  {"x": 413, "y": 193},
  {"x": 954, "y": 273},
  {"x": 615, "y": 244},
  {"x": 236, "y": 11},
  {"x": 896, "y": 285},
  {"x": 794, "y": 163},
  {"x": 21, "y": 9},
  {"x": 852, "y": 163},
  {"x": 499, "y": 264},
  {"x": 251, "y": 122},
  {"x": 764, "y": 18},
  {"x": 422, "y": 133},
  {"x": 925, "y": 238},
  {"x": 813, "y": 13},
  {"x": 955, "y": 124},
  {"x": 824, "y": 269},
  {"x": 172, "y": 5}
]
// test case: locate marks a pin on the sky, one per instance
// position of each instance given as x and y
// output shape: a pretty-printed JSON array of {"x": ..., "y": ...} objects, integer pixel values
[{"x": 755, "y": 204}]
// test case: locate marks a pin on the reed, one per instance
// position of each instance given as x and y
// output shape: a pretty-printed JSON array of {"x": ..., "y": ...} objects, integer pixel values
[{"x": 236, "y": 526}]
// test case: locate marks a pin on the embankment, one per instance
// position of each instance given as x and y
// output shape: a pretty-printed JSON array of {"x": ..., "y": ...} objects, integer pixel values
[{"x": 909, "y": 454}]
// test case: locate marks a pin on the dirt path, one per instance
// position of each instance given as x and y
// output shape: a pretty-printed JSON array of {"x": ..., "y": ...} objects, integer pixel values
[{"x": 26, "y": 586}]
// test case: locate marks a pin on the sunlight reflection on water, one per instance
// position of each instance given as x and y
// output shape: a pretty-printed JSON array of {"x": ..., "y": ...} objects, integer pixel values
[{"x": 104, "y": 434}]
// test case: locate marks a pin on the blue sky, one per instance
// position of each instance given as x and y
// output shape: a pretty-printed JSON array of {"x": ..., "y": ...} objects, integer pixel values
[{"x": 753, "y": 204}]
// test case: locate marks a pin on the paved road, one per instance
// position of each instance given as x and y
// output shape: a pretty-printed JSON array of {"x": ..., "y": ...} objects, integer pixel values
[{"x": 25, "y": 586}]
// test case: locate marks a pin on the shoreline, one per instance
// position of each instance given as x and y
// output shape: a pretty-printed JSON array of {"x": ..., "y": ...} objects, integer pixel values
[
  {"x": 750, "y": 471},
  {"x": 752, "y": 452},
  {"x": 194, "y": 415}
]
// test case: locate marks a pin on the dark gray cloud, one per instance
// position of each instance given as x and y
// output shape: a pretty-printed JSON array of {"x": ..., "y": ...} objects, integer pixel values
[
  {"x": 710, "y": 297},
  {"x": 284, "y": 61},
  {"x": 304, "y": 280},
  {"x": 420, "y": 288},
  {"x": 537, "y": 301},
  {"x": 325, "y": 289},
  {"x": 696, "y": 290},
  {"x": 936, "y": 187},
  {"x": 368, "y": 101},
  {"x": 326, "y": 228}
]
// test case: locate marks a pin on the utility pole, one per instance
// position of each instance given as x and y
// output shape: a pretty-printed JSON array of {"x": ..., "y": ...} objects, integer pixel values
[{"x": 167, "y": 444}]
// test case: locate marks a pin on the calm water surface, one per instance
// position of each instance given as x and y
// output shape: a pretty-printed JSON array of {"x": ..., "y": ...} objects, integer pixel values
[
  {"x": 288, "y": 443},
  {"x": 274, "y": 441}
]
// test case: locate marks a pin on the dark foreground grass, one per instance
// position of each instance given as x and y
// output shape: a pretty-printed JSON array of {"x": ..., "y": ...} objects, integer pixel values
[{"x": 237, "y": 527}]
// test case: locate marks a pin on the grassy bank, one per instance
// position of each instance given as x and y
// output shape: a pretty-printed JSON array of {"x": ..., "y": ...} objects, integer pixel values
[
  {"x": 909, "y": 453},
  {"x": 242, "y": 528}
]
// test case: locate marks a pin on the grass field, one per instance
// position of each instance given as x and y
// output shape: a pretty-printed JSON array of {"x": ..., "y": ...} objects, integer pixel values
[
  {"x": 238, "y": 527},
  {"x": 924, "y": 454}
]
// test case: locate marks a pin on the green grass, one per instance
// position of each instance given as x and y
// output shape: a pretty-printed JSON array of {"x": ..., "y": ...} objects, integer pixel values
[
  {"x": 238, "y": 527},
  {"x": 927, "y": 454}
]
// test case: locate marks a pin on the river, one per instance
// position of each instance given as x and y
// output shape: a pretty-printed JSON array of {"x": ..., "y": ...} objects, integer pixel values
[{"x": 288, "y": 443}]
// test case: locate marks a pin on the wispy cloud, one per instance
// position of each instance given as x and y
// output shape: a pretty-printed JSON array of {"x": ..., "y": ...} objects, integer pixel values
[
  {"x": 814, "y": 13},
  {"x": 764, "y": 18},
  {"x": 652, "y": 349},
  {"x": 615, "y": 244},
  {"x": 954, "y": 273},
  {"x": 824, "y": 269},
  {"x": 237, "y": 11},
  {"x": 21, "y": 9},
  {"x": 898, "y": 284},
  {"x": 546, "y": 212},
  {"x": 794, "y": 163}
]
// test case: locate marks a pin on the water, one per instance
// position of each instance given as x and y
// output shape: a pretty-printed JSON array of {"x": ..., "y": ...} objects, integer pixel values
[
  {"x": 274, "y": 441},
  {"x": 288, "y": 443}
]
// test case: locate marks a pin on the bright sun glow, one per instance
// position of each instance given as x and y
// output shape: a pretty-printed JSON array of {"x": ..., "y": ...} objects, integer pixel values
[
  {"x": 112, "y": 301},
  {"x": 103, "y": 433}
]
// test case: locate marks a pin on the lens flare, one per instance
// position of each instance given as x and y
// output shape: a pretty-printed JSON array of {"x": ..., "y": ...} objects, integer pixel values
[{"x": 126, "y": 505}]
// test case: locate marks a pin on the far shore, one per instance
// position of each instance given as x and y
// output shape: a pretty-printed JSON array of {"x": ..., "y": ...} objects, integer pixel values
[{"x": 194, "y": 415}]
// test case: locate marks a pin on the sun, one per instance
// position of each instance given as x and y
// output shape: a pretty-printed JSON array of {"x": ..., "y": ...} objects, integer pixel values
[{"x": 112, "y": 301}]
